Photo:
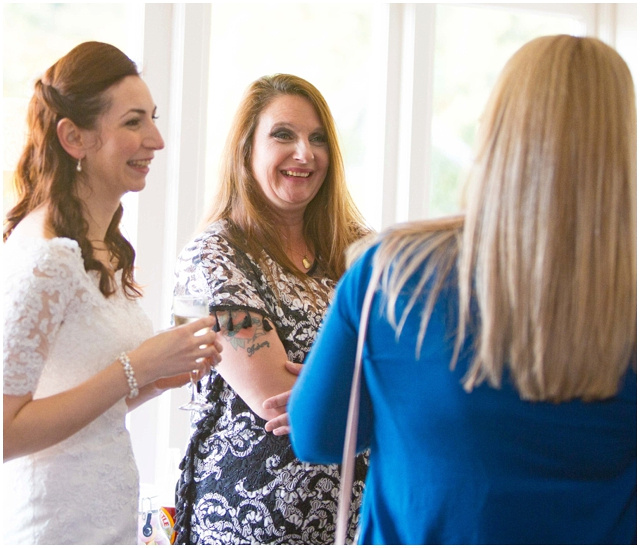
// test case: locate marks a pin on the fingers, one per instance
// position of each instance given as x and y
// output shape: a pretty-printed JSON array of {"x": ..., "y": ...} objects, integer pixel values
[
  {"x": 208, "y": 356},
  {"x": 201, "y": 323},
  {"x": 279, "y": 426},
  {"x": 209, "y": 347},
  {"x": 200, "y": 372},
  {"x": 277, "y": 402},
  {"x": 292, "y": 367}
]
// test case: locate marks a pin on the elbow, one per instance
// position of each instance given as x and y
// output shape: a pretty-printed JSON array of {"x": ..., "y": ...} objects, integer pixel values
[
  {"x": 310, "y": 452},
  {"x": 311, "y": 445},
  {"x": 11, "y": 448}
]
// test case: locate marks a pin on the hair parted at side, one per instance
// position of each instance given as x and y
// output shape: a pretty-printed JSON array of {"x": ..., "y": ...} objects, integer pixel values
[
  {"x": 75, "y": 88},
  {"x": 547, "y": 248},
  {"x": 332, "y": 221}
]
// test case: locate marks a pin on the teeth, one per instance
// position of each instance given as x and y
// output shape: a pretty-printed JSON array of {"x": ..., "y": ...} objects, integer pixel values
[
  {"x": 139, "y": 163},
  {"x": 296, "y": 174}
]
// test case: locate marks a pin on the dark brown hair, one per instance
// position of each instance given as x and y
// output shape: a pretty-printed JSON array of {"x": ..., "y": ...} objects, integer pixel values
[{"x": 75, "y": 88}]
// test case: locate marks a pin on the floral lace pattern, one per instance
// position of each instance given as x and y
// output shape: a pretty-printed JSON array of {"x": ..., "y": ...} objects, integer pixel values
[
  {"x": 240, "y": 484},
  {"x": 59, "y": 330}
]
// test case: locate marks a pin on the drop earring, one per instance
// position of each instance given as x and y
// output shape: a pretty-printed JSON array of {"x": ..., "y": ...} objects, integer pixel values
[{"x": 79, "y": 166}]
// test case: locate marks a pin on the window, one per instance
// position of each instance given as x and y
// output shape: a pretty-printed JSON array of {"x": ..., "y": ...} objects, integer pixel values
[{"x": 472, "y": 44}]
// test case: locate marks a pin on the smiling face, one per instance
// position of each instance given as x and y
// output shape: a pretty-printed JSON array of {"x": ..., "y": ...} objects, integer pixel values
[
  {"x": 122, "y": 146},
  {"x": 290, "y": 156}
]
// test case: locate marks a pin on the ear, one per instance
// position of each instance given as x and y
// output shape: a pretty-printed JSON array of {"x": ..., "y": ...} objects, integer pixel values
[{"x": 71, "y": 138}]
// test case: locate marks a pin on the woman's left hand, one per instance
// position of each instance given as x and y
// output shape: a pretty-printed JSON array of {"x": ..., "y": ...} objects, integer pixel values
[
  {"x": 163, "y": 384},
  {"x": 280, "y": 425}
]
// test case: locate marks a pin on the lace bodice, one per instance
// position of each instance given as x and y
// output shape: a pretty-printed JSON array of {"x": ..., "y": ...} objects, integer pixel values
[{"x": 59, "y": 330}]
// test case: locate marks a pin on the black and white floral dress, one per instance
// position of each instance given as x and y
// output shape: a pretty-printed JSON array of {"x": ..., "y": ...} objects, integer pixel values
[{"x": 239, "y": 483}]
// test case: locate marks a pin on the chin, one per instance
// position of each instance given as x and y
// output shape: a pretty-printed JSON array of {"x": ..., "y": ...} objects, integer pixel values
[{"x": 138, "y": 187}]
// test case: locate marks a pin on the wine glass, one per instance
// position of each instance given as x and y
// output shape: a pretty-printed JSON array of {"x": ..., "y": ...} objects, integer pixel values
[{"x": 187, "y": 309}]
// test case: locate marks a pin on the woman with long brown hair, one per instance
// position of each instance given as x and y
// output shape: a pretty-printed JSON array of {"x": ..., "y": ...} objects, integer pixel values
[
  {"x": 78, "y": 350},
  {"x": 499, "y": 372},
  {"x": 267, "y": 263}
]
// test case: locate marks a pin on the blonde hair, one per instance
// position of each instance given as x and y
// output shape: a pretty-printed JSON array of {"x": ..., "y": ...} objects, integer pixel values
[
  {"x": 548, "y": 245},
  {"x": 332, "y": 220}
]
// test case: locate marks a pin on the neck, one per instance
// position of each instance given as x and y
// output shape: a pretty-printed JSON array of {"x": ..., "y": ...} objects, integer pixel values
[
  {"x": 98, "y": 212},
  {"x": 297, "y": 248}
]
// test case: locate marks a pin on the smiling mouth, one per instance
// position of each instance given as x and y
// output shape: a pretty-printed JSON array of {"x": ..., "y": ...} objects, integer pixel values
[
  {"x": 296, "y": 174},
  {"x": 139, "y": 163}
]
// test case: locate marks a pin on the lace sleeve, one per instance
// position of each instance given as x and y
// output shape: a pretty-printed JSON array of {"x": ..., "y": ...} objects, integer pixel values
[{"x": 35, "y": 297}]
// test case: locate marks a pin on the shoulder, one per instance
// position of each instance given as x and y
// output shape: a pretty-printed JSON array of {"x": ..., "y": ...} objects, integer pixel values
[
  {"x": 36, "y": 270},
  {"x": 41, "y": 256},
  {"x": 207, "y": 248},
  {"x": 212, "y": 240},
  {"x": 421, "y": 241},
  {"x": 358, "y": 230}
]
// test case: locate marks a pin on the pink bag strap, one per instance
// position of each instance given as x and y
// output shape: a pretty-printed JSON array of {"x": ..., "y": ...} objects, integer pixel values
[{"x": 351, "y": 434}]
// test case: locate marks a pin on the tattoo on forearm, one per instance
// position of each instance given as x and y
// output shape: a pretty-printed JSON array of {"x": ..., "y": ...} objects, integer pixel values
[
  {"x": 255, "y": 347},
  {"x": 245, "y": 338}
]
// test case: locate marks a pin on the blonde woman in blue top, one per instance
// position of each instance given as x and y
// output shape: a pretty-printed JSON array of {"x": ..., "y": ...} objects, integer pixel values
[{"x": 499, "y": 375}]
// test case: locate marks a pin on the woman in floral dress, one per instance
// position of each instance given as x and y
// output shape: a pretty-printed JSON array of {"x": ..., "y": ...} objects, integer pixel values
[{"x": 267, "y": 262}]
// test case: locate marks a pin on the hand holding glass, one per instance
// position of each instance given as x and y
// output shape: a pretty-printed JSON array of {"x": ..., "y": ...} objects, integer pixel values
[{"x": 187, "y": 309}]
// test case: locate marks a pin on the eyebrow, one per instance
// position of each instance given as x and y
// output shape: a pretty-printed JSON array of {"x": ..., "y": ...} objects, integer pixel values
[
  {"x": 294, "y": 127},
  {"x": 141, "y": 111}
]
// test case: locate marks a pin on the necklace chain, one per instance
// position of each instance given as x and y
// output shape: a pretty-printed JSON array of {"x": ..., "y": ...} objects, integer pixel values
[{"x": 306, "y": 262}]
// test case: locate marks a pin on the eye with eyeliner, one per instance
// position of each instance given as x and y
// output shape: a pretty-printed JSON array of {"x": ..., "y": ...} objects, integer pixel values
[
  {"x": 281, "y": 134},
  {"x": 133, "y": 122},
  {"x": 318, "y": 138},
  {"x": 287, "y": 135}
]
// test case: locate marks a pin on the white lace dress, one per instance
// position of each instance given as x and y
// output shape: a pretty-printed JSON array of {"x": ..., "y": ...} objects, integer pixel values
[{"x": 59, "y": 330}]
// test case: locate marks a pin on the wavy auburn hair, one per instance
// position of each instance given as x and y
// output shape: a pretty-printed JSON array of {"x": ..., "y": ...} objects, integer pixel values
[
  {"x": 331, "y": 220},
  {"x": 75, "y": 87}
]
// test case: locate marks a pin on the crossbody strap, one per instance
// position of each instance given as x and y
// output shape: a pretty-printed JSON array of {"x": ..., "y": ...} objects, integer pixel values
[{"x": 351, "y": 433}]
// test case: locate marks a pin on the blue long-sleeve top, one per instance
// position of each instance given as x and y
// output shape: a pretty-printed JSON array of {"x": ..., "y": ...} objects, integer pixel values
[{"x": 452, "y": 467}]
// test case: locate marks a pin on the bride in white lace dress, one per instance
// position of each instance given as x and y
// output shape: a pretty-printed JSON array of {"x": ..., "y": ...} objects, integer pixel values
[{"x": 78, "y": 351}]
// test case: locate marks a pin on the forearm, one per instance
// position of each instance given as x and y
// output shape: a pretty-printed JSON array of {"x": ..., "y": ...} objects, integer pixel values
[
  {"x": 32, "y": 425},
  {"x": 156, "y": 388},
  {"x": 253, "y": 364},
  {"x": 254, "y": 387},
  {"x": 145, "y": 394}
]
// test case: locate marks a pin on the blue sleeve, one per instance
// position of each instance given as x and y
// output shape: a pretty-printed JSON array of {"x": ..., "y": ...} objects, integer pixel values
[{"x": 319, "y": 402}]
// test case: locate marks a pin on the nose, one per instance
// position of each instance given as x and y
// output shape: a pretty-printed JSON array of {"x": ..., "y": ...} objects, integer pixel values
[
  {"x": 154, "y": 140},
  {"x": 303, "y": 152}
]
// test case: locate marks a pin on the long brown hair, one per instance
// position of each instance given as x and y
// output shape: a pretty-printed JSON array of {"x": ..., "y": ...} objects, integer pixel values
[
  {"x": 331, "y": 220},
  {"x": 548, "y": 244},
  {"x": 74, "y": 88}
]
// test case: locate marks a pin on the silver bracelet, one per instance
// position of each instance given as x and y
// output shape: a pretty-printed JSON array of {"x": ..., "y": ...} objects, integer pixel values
[{"x": 131, "y": 378}]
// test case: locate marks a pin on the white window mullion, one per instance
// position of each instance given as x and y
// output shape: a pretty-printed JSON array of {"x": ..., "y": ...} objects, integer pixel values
[
  {"x": 421, "y": 113},
  {"x": 175, "y": 67},
  {"x": 391, "y": 119},
  {"x": 413, "y": 149}
]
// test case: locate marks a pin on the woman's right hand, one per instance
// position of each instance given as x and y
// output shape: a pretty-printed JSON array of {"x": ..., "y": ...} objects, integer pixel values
[
  {"x": 177, "y": 350},
  {"x": 32, "y": 425},
  {"x": 280, "y": 424}
]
